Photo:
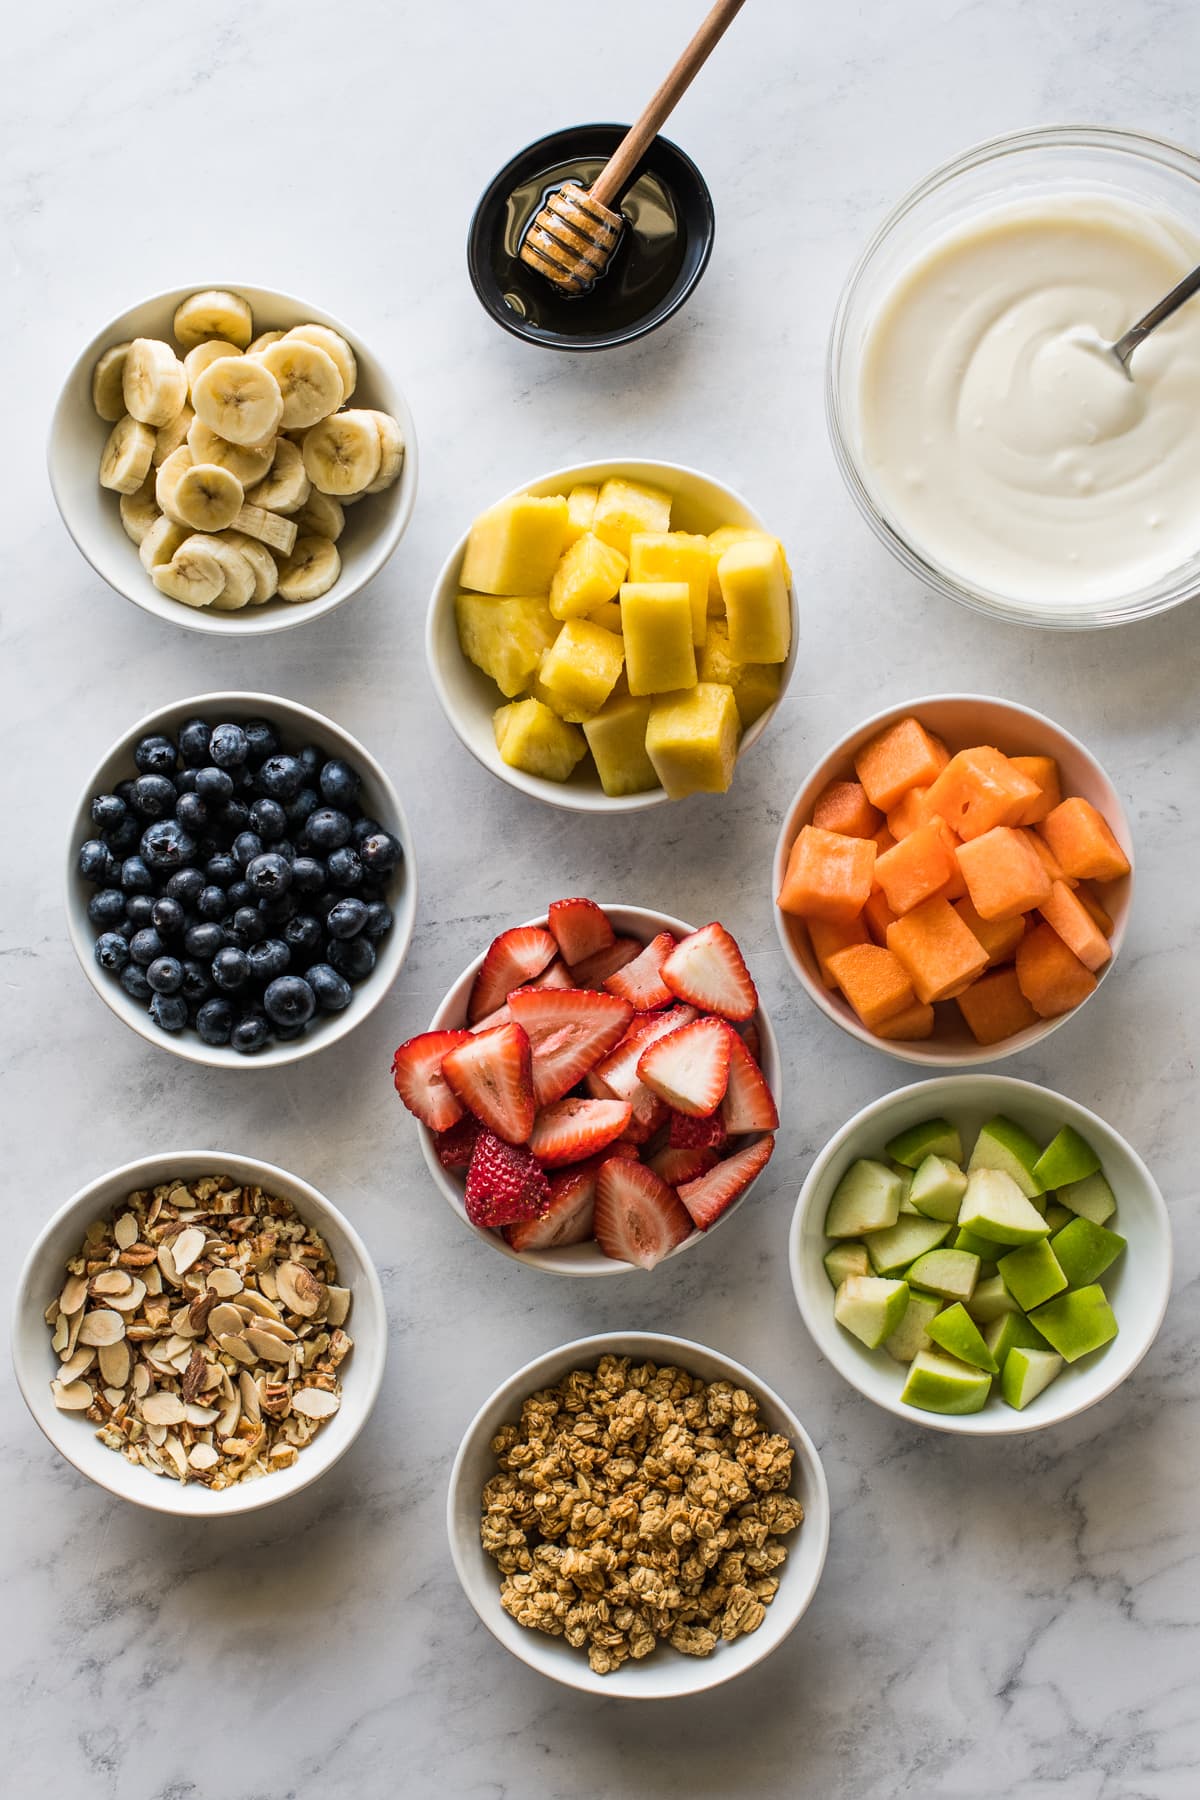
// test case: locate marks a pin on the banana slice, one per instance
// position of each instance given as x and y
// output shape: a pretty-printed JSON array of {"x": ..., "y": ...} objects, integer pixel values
[
  {"x": 170, "y": 474},
  {"x": 201, "y": 355},
  {"x": 262, "y": 564},
  {"x": 153, "y": 381},
  {"x": 310, "y": 570},
  {"x": 239, "y": 576},
  {"x": 161, "y": 542},
  {"x": 267, "y": 528},
  {"x": 193, "y": 575},
  {"x": 239, "y": 399},
  {"x": 321, "y": 516},
  {"x": 342, "y": 454},
  {"x": 108, "y": 396},
  {"x": 125, "y": 458},
  {"x": 286, "y": 488},
  {"x": 215, "y": 313},
  {"x": 308, "y": 380},
  {"x": 262, "y": 340},
  {"x": 139, "y": 510},
  {"x": 249, "y": 462},
  {"x": 207, "y": 497},
  {"x": 334, "y": 345},
  {"x": 169, "y": 438},
  {"x": 391, "y": 452}
]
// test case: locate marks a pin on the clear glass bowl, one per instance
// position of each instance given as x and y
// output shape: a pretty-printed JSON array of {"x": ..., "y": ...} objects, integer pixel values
[{"x": 1053, "y": 160}]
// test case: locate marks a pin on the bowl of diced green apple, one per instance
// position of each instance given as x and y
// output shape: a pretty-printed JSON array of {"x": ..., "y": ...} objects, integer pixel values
[{"x": 981, "y": 1255}]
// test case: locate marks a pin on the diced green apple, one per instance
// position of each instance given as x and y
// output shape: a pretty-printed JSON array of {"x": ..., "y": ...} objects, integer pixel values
[
  {"x": 994, "y": 1207},
  {"x": 846, "y": 1259},
  {"x": 1085, "y": 1250},
  {"x": 1091, "y": 1198},
  {"x": 984, "y": 1248},
  {"x": 1057, "y": 1216},
  {"x": 1002, "y": 1144},
  {"x": 1031, "y": 1274},
  {"x": 1026, "y": 1372},
  {"x": 991, "y": 1300},
  {"x": 936, "y": 1137},
  {"x": 1077, "y": 1322},
  {"x": 956, "y": 1332},
  {"x": 941, "y": 1384},
  {"x": 867, "y": 1198},
  {"x": 870, "y": 1308},
  {"x": 1067, "y": 1157},
  {"x": 938, "y": 1186},
  {"x": 906, "y": 1180},
  {"x": 1012, "y": 1331},
  {"x": 910, "y": 1237},
  {"x": 912, "y": 1332},
  {"x": 951, "y": 1273}
]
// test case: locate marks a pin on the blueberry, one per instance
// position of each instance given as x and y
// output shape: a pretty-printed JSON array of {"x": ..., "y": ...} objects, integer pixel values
[
  {"x": 240, "y": 894},
  {"x": 169, "y": 1011},
  {"x": 268, "y": 819},
  {"x": 261, "y": 741},
  {"x": 268, "y": 959},
  {"x": 145, "y": 945},
  {"x": 304, "y": 934},
  {"x": 111, "y": 951},
  {"x": 166, "y": 846},
  {"x": 124, "y": 790},
  {"x": 380, "y": 852},
  {"x": 185, "y": 781},
  {"x": 286, "y": 849},
  {"x": 379, "y": 919},
  {"x": 231, "y": 969},
  {"x": 235, "y": 818},
  {"x": 139, "y": 910},
  {"x": 153, "y": 797},
  {"x": 191, "y": 812},
  {"x": 126, "y": 929},
  {"x": 135, "y": 876},
  {"x": 333, "y": 992},
  {"x": 108, "y": 810},
  {"x": 193, "y": 742},
  {"x": 245, "y": 847},
  {"x": 321, "y": 905},
  {"x": 196, "y": 982},
  {"x": 285, "y": 1033},
  {"x": 165, "y": 974},
  {"x": 123, "y": 837},
  {"x": 186, "y": 886},
  {"x": 247, "y": 927},
  {"x": 352, "y": 957},
  {"x": 308, "y": 875},
  {"x": 345, "y": 868},
  {"x": 168, "y": 916},
  {"x": 281, "y": 777},
  {"x": 326, "y": 829},
  {"x": 250, "y": 1034},
  {"x": 222, "y": 870},
  {"x": 298, "y": 809},
  {"x": 229, "y": 747},
  {"x": 290, "y": 1001},
  {"x": 362, "y": 829},
  {"x": 213, "y": 903},
  {"x": 214, "y": 785},
  {"x": 133, "y": 980},
  {"x": 155, "y": 755},
  {"x": 270, "y": 874},
  {"x": 106, "y": 906},
  {"x": 339, "y": 783},
  {"x": 280, "y": 910},
  {"x": 96, "y": 863},
  {"x": 310, "y": 760},
  {"x": 346, "y": 919},
  {"x": 214, "y": 1022}
]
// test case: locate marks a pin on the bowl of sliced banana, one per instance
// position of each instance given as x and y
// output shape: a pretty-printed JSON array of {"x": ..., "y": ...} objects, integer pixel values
[{"x": 232, "y": 459}]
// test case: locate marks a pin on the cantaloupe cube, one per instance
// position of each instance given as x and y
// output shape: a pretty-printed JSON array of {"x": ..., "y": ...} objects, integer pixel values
[
  {"x": 589, "y": 573},
  {"x": 877, "y": 915},
  {"x": 581, "y": 509},
  {"x": 718, "y": 543},
  {"x": 692, "y": 739},
  {"x": 656, "y": 621},
  {"x": 505, "y": 637},
  {"x": 616, "y": 737},
  {"x": 980, "y": 789},
  {"x": 843, "y": 806},
  {"x": 883, "y": 840},
  {"x": 827, "y": 939},
  {"x": 873, "y": 981},
  {"x": 995, "y": 1008},
  {"x": 1081, "y": 840},
  {"x": 608, "y": 615},
  {"x": 1088, "y": 898},
  {"x": 911, "y": 810},
  {"x": 674, "y": 556},
  {"x": 756, "y": 686},
  {"x": 1044, "y": 771},
  {"x": 757, "y": 606},
  {"x": 623, "y": 507},
  {"x": 920, "y": 866},
  {"x": 999, "y": 937},
  {"x": 531, "y": 737},
  {"x": 1003, "y": 875},
  {"x": 941, "y": 955},
  {"x": 902, "y": 756},
  {"x": 1067, "y": 915},
  {"x": 828, "y": 876},
  {"x": 915, "y": 1022},
  {"x": 580, "y": 669},
  {"x": 1045, "y": 855},
  {"x": 514, "y": 547},
  {"x": 1052, "y": 978},
  {"x": 956, "y": 887}
]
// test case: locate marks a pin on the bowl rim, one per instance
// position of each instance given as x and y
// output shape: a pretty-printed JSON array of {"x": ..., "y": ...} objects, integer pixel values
[
  {"x": 561, "y": 795},
  {"x": 962, "y": 1055},
  {"x": 1173, "y": 589},
  {"x": 404, "y": 918},
  {"x": 542, "y": 1260},
  {"x": 160, "y": 1495},
  {"x": 250, "y": 621},
  {"x": 1009, "y": 1091},
  {"x": 653, "y": 1346},
  {"x": 484, "y": 283}
]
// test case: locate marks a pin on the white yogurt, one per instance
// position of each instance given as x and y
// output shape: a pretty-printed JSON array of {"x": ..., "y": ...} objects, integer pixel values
[{"x": 999, "y": 436}]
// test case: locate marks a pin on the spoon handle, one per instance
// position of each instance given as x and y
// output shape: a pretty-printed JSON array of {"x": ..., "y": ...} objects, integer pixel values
[{"x": 1125, "y": 346}]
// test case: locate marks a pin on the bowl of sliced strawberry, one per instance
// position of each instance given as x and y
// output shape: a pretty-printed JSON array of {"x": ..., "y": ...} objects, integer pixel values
[{"x": 598, "y": 1090}]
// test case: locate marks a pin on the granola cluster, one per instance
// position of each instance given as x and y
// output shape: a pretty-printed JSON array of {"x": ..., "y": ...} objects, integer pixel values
[{"x": 635, "y": 1503}]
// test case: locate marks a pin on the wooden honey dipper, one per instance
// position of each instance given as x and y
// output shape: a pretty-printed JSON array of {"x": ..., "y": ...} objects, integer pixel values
[{"x": 571, "y": 239}]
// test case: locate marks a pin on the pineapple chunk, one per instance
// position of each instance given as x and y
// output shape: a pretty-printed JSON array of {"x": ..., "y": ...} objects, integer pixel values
[
  {"x": 530, "y": 737},
  {"x": 514, "y": 547},
  {"x": 589, "y": 573},
  {"x": 625, "y": 507},
  {"x": 718, "y": 543},
  {"x": 656, "y": 618},
  {"x": 692, "y": 739},
  {"x": 581, "y": 507},
  {"x": 505, "y": 636},
  {"x": 755, "y": 591},
  {"x": 617, "y": 740},
  {"x": 755, "y": 685},
  {"x": 674, "y": 556},
  {"x": 608, "y": 615},
  {"x": 579, "y": 670}
]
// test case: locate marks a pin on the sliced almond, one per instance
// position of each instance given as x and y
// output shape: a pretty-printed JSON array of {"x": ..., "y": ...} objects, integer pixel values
[
  {"x": 200, "y": 1415},
  {"x": 125, "y": 1231},
  {"x": 71, "y": 1396},
  {"x": 79, "y": 1364},
  {"x": 186, "y": 1248},
  {"x": 203, "y": 1457},
  {"x": 266, "y": 1344},
  {"x": 166, "y": 1263},
  {"x": 74, "y": 1293},
  {"x": 114, "y": 1363},
  {"x": 338, "y": 1308},
  {"x": 237, "y": 1347},
  {"x": 225, "y": 1319},
  {"x": 225, "y": 1282},
  {"x": 315, "y": 1403},
  {"x": 248, "y": 1391},
  {"x": 140, "y": 1380},
  {"x": 112, "y": 1281},
  {"x": 299, "y": 1289},
  {"x": 115, "y": 1397},
  {"x": 62, "y": 1331},
  {"x": 101, "y": 1327},
  {"x": 163, "y": 1409},
  {"x": 131, "y": 1299},
  {"x": 258, "y": 1303}
]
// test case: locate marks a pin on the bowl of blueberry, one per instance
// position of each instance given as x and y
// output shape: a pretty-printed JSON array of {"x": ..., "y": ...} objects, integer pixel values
[{"x": 240, "y": 880}]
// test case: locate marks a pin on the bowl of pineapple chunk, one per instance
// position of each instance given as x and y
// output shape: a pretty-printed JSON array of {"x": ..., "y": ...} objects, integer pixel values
[{"x": 613, "y": 635}]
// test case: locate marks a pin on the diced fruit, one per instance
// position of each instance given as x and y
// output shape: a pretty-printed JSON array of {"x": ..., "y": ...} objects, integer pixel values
[
  {"x": 913, "y": 1022},
  {"x": 867, "y": 1198},
  {"x": 874, "y": 982},
  {"x": 919, "y": 866},
  {"x": 996, "y": 1208},
  {"x": 955, "y": 1330},
  {"x": 986, "y": 1249},
  {"x": 906, "y": 1206},
  {"x": 640, "y": 982},
  {"x": 842, "y": 806},
  {"x": 911, "y": 1236},
  {"x": 638, "y": 1218},
  {"x": 1085, "y": 1250},
  {"x": 688, "y": 1131},
  {"x": 707, "y": 969},
  {"x": 454, "y": 1146},
  {"x": 616, "y": 737},
  {"x": 1087, "y": 899},
  {"x": 1003, "y": 1144},
  {"x": 748, "y": 1104},
  {"x": 1012, "y": 1331},
  {"x": 692, "y": 740},
  {"x": 674, "y": 556},
  {"x": 1057, "y": 1216},
  {"x": 1051, "y": 976},
  {"x": 995, "y": 1008},
  {"x": 608, "y": 614},
  {"x": 580, "y": 928},
  {"x": 844, "y": 1260},
  {"x": 1003, "y": 875},
  {"x": 710, "y": 1195},
  {"x": 581, "y": 509},
  {"x": 1065, "y": 913},
  {"x": 689, "y": 1068},
  {"x": 1081, "y": 840},
  {"x": 933, "y": 1137},
  {"x": 1026, "y": 1373},
  {"x": 580, "y": 670},
  {"x": 589, "y": 573},
  {"x": 870, "y": 1308},
  {"x": 417, "y": 1073},
  {"x": 912, "y": 1334},
  {"x": 1031, "y": 1274},
  {"x": 1043, "y": 771},
  {"x": 573, "y": 1129},
  {"x": 505, "y": 1184},
  {"x": 999, "y": 937},
  {"x": 491, "y": 1074},
  {"x": 568, "y": 1216},
  {"x": 649, "y": 1115},
  {"x": 1067, "y": 1157},
  {"x": 909, "y": 812},
  {"x": 828, "y": 876},
  {"x": 719, "y": 542},
  {"x": 677, "y": 1166},
  {"x": 514, "y": 547},
  {"x": 530, "y": 736},
  {"x": 951, "y": 1273},
  {"x": 623, "y": 507},
  {"x": 1077, "y": 1322},
  {"x": 942, "y": 1384},
  {"x": 506, "y": 638},
  {"x": 827, "y": 939},
  {"x": 595, "y": 970},
  {"x": 754, "y": 588},
  {"x": 1091, "y": 1198},
  {"x": 512, "y": 960},
  {"x": 980, "y": 789},
  {"x": 1045, "y": 856},
  {"x": 756, "y": 686},
  {"x": 570, "y": 1030},
  {"x": 939, "y": 953},
  {"x": 617, "y": 1075},
  {"x": 904, "y": 755},
  {"x": 991, "y": 1300},
  {"x": 937, "y": 1188}
]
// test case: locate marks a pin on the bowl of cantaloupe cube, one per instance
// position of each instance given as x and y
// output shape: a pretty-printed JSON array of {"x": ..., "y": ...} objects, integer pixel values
[
  {"x": 979, "y": 1254},
  {"x": 613, "y": 635},
  {"x": 954, "y": 879}
]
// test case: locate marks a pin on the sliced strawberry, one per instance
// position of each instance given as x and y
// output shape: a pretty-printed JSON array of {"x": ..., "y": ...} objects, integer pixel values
[
  {"x": 501, "y": 1016},
  {"x": 420, "y": 1083},
  {"x": 707, "y": 1197},
  {"x": 568, "y": 1217},
  {"x": 707, "y": 969},
  {"x": 572, "y": 1129},
  {"x": 512, "y": 959},
  {"x": 580, "y": 929},
  {"x": 748, "y": 1104},
  {"x": 492, "y": 1074},
  {"x": 690, "y": 1133},
  {"x": 752, "y": 1038},
  {"x": 649, "y": 1114},
  {"x": 617, "y": 1074},
  {"x": 505, "y": 1183},
  {"x": 639, "y": 982},
  {"x": 570, "y": 1030},
  {"x": 594, "y": 971},
  {"x": 689, "y": 1068},
  {"x": 682, "y": 1165},
  {"x": 454, "y": 1148},
  {"x": 556, "y": 976},
  {"x": 638, "y": 1217}
]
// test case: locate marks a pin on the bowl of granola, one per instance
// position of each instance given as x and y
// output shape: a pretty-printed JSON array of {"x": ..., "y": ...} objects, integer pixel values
[
  {"x": 731, "y": 1538},
  {"x": 199, "y": 1333}
]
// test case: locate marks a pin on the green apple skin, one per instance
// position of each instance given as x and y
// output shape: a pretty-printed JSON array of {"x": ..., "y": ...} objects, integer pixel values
[
  {"x": 912, "y": 1334},
  {"x": 911, "y": 1236},
  {"x": 1067, "y": 1157},
  {"x": 1091, "y": 1198},
  {"x": 939, "y": 1384},
  {"x": 982, "y": 1247},
  {"x": 937, "y": 1188},
  {"x": 906, "y": 1180},
  {"x": 991, "y": 1300},
  {"x": 1077, "y": 1322},
  {"x": 1012, "y": 1331},
  {"x": 1085, "y": 1250},
  {"x": 935, "y": 1137},
  {"x": 1031, "y": 1274},
  {"x": 846, "y": 1259},
  {"x": 1002, "y": 1144},
  {"x": 951, "y": 1273},
  {"x": 994, "y": 1207},
  {"x": 1057, "y": 1216},
  {"x": 867, "y": 1198},
  {"x": 956, "y": 1332},
  {"x": 1026, "y": 1373},
  {"x": 870, "y": 1308}
]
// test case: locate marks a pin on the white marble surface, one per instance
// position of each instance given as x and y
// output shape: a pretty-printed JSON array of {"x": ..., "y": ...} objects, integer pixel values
[{"x": 996, "y": 1620}]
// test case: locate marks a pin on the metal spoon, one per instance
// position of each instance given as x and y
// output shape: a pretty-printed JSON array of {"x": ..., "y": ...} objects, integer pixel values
[{"x": 1125, "y": 346}]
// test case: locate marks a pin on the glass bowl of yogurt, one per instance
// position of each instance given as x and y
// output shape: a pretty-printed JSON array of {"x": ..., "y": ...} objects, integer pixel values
[{"x": 984, "y": 430}]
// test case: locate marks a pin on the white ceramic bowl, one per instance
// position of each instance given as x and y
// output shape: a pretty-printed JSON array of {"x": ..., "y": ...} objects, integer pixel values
[
  {"x": 1138, "y": 1284},
  {"x": 666, "y": 1674},
  {"x": 298, "y": 725},
  {"x": 77, "y": 435},
  {"x": 73, "y": 1436},
  {"x": 588, "y": 1258},
  {"x": 467, "y": 696},
  {"x": 961, "y": 720}
]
